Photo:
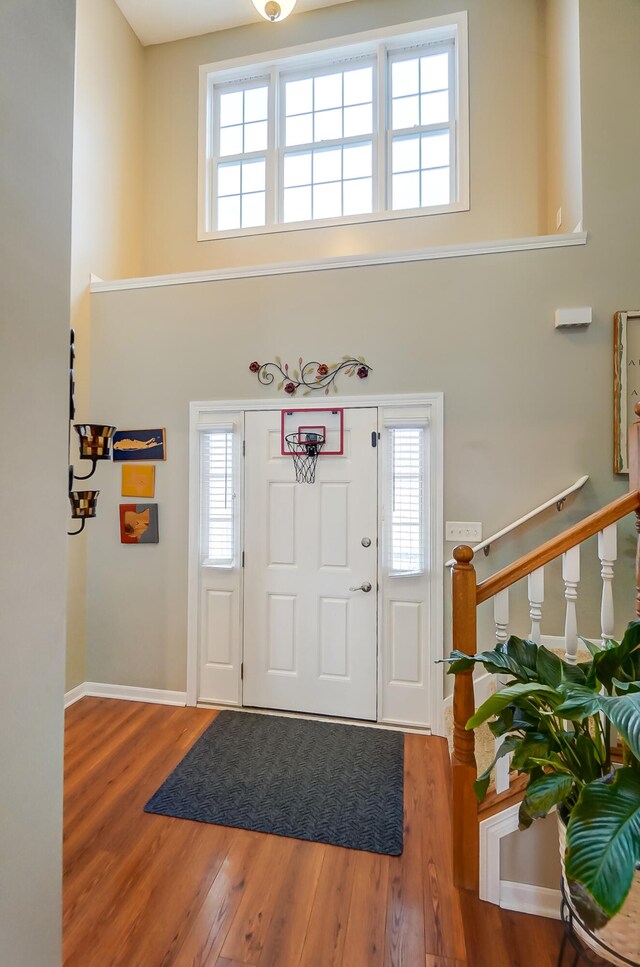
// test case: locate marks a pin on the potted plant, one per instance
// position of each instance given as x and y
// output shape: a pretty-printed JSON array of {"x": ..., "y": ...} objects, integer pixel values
[{"x": 556, "y": 720}]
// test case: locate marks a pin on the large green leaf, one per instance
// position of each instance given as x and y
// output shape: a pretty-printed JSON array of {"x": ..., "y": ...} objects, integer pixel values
[
  {"x": 593, "y": 647},
  {"x": 624, "y": 712},
  {"x": 496, "y": 662},
  {"x": 499, "y": 662},
  {"x": 503, "y": 723},
  {"x": 495, "y": 703},
  {"x": 614, "y": 660},
  {"x": 592, "y": 758},
  {"x": 535, "y": 745},
  {"x": 552, "y": 670},
  {"x": 549, "y": 667},
  {"x": 524, "y": 653},
  {"x": 458, "y": 661},
  {"x": 542, "y": 795},
  {"x": 603, "y": 846},
  {"x": 623, "y": 688},
  {"x": 579, "y": 702}
]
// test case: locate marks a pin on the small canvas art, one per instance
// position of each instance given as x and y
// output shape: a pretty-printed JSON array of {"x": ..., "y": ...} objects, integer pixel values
[
  {"x": 138, "y": 481},
  {"x": 139, "y": 445},
  {"x": 138, "y": 523}
]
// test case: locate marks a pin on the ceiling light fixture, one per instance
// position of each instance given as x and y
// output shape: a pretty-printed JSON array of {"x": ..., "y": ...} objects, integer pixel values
[{"x": 271, "y": 10}]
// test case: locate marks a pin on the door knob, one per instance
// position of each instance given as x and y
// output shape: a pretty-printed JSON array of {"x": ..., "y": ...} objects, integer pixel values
[{"x": 365, "y": 586}]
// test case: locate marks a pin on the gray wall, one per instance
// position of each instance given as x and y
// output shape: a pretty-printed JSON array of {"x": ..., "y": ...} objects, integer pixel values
[
  {"x": 528, "y": 408},
  {"x": 36, "y": 101}
]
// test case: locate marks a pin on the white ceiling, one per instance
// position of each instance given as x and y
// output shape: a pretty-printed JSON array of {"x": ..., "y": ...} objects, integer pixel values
[{"x": 157, "y": 21}]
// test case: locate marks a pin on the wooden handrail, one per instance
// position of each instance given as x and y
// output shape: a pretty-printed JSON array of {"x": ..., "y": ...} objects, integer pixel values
[{"x": 613, "y": 512}]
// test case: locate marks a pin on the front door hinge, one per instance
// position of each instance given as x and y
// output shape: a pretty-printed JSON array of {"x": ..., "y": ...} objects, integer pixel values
[
  {"x": 242, "y": 671},
  {"x": 244, "y": 448},
  {"x": 243, "y": 558}
]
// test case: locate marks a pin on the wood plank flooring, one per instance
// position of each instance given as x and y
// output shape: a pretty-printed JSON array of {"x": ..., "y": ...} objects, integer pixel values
[{"x": 150, "y": 891}]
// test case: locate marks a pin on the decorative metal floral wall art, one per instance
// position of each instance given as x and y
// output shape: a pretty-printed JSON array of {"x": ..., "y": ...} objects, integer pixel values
[{"x": 308, "y": 377}]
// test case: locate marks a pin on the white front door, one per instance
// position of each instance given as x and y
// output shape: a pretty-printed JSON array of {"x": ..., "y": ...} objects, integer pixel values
[{"x": 310, "y": 636}]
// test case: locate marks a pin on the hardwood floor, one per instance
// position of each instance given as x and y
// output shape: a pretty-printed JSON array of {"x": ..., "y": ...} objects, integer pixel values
[{"x": 149, "y": 891}]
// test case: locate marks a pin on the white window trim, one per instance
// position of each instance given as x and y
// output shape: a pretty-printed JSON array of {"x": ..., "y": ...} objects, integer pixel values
[{"x": 453, "y": 25}]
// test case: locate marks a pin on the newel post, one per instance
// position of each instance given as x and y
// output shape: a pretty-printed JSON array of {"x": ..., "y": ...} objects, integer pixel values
[
  {"x": 634, "y": 486},
  {"x": 465, "y": 808}
]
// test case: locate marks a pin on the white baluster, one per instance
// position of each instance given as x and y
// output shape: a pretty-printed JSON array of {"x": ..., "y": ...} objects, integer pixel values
[
  {"x": 536, "y": 600},
  {"x": 501, "y": 619},
  {"x": 501, "y": 614},
  {"x": 608, "y": 553},
  {"x": 571, "y": 578}
]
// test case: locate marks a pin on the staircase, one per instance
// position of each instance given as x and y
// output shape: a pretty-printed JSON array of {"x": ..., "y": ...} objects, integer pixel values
[{"x": 467, "y": 595}]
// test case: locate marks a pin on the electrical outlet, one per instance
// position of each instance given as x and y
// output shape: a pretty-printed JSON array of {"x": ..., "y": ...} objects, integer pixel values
[{"x": 469, "y": 532}]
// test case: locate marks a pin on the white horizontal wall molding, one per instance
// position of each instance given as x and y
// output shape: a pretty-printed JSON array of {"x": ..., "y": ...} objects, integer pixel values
[
  {"x": 344, "y": 262},
  {"x": 129, "y": 693}
]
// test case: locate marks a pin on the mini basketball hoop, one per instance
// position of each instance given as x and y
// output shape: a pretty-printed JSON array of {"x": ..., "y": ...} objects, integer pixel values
[{"x": 304, "y": 447}]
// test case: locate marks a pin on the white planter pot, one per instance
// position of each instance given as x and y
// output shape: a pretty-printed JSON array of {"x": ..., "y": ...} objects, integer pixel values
[{"x": 621, "y": 935}]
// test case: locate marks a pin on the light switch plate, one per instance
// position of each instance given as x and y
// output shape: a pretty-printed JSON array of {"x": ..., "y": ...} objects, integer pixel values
[{"x": 469, "y": 531}]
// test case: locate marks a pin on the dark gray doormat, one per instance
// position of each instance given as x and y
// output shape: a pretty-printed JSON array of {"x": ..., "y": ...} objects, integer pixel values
[{"x": 337, "y": 784}]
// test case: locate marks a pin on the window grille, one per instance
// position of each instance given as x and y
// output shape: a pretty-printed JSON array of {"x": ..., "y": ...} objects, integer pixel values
[{"x": 218, "y": 499}]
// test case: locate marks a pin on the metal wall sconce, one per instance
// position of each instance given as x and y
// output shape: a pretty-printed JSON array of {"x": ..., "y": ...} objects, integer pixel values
[
  {"x": 83, "y": 505},
  {"x": 95, "y": 444}
]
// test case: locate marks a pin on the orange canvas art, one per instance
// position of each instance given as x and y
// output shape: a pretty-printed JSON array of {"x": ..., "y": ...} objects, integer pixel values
[{"x": 138, "y": 481}]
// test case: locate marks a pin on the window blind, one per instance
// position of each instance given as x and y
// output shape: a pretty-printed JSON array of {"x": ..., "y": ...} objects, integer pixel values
[
  {"x": 406, "y": 500},
  {"x": 217, "y": 497}
]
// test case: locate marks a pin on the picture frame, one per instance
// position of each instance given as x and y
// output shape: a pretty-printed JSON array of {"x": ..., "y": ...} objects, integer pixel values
[
  {"x": 138, "y": 523},
  {"x": 138, "y": 480},
  {"x": 626, "y": 382},
  {"x": 137, "y": 445}
]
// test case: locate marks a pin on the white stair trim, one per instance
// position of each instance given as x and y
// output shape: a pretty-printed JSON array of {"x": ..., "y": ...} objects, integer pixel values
[
  {"x": 521, "y": 897},
  {"x": 540, "y": 901}
]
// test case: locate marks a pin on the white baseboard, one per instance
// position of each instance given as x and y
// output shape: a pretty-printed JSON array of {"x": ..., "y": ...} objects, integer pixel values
[
  {"x": 75, "y": 694},
  {"x": 526, "y": 898},
  {"x": 128, "y": 693}
]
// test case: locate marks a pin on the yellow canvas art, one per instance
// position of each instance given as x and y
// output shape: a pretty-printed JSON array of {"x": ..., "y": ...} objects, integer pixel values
[{"x": 138, "y": 481}]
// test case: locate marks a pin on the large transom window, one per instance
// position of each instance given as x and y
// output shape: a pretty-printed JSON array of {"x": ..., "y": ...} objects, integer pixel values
[{"x": 375, "y": 128}]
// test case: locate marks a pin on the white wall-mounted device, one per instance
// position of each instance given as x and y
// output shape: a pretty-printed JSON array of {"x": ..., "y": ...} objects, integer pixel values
[{"x": 573, "y": 317}]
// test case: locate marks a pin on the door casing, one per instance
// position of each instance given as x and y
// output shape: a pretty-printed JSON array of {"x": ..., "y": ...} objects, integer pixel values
[{"x": 208, "y": 414}]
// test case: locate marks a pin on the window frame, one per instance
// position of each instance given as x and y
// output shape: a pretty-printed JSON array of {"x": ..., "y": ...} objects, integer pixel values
[{"x": 380, "y": 46}]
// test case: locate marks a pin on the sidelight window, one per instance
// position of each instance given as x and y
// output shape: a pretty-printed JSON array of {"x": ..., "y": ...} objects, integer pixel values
[{"x": 218, "y": 498}]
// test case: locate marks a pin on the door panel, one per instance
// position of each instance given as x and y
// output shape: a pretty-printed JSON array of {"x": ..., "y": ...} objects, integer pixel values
[{"x": 310, "y": 642}]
